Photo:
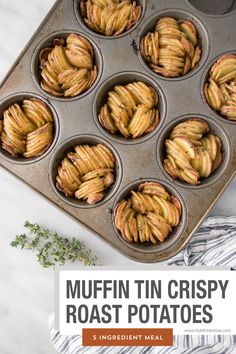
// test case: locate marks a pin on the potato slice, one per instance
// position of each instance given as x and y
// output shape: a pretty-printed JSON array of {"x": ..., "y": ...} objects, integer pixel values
[{"x": 186, "y": 146}]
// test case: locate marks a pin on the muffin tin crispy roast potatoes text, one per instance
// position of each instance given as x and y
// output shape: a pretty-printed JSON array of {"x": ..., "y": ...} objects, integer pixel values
[{"x": 122, "y": 113}]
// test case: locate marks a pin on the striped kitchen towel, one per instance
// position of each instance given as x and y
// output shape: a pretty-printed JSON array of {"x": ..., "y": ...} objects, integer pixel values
[{"x": 214, "y": 244}]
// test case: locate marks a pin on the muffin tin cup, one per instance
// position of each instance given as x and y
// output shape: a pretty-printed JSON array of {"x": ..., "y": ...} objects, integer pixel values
[
  {"x": 124, "y": 78},
  {"x": 213, "y": 8},
  {"x": 216, "y": 129},
  {"x": 48, "y": 42},
  {"x": 178, "y": 14},
  {"x": 18, "y": 98},
  {"x": 118, "y": 61},
  {"x": 68, "y": 146},
  {"x": 204, "y": 79},
  {"x": 102, "y": 36},
  {"x": 175, "y": 234}
]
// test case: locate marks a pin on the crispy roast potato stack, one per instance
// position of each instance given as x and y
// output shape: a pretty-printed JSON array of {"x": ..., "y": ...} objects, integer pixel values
[
  {"x": 148, "y": 215},
  {"x": 28, "y": 129},
  {"x": 110, "y": 17},
  {"x": 173, "y": 49},
  {"x": 86, "y": 173},
  {"x": 220, "y": 88},
  {"x": 130, "y": 110},
  {"x": 67, "y": 69},
  {"x": 192, "y": 152}
]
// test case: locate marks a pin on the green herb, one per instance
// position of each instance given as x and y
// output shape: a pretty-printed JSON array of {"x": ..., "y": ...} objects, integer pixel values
[{"x": 51, "y": 248}]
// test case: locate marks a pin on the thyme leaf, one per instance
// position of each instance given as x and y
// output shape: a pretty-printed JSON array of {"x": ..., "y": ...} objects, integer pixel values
[{"x": 51, "y": 248}]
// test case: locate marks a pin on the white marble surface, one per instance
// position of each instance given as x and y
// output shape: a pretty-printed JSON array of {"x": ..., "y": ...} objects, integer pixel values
[{"x": 26, "y": 293}]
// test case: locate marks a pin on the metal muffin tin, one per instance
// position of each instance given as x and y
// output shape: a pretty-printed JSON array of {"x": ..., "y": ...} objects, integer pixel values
[{"x": 119, "y": 61}]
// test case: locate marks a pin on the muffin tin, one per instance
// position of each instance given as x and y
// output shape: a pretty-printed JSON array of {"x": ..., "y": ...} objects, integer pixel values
[{"x": 119, "y": 61}]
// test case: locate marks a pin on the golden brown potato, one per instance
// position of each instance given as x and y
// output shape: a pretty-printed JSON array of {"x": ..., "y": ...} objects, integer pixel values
[
  {"x": 38, "y": 141},
  {"x": 148, "y": 214},
  {"x": 130, "y": 110},
  {"x": 27, "y": 129},
  {"x": 86, "y": 173},
  {"x": 110, "y": 17},
  {"x": 220, "y": 88},
  {"x": 173, "y": 49},
  {"x": 68, "y": 68},
  {"x": 191, "y": 152}
]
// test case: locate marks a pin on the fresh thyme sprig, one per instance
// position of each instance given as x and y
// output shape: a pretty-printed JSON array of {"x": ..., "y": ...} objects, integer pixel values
[{"x": 51, "y": 248}]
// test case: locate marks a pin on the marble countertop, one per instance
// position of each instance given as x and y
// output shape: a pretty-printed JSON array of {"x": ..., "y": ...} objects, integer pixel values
[{"x": 26, "y": 295}]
